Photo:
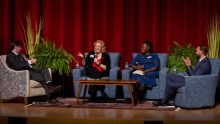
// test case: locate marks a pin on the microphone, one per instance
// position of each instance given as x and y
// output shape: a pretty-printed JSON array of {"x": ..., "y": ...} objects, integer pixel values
[
  {"x": 27, "y": 56},
  {"x": 95, "y": 54}
]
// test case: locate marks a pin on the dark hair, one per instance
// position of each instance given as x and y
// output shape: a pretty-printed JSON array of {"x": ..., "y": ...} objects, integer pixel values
[
  {"x": 204, "y": 49},
  {"x": 15, "y": 43},
  {"x": 150, "y": 45}
]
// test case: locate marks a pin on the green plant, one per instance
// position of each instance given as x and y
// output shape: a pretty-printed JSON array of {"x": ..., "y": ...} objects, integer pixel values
[
  {"x": 56, "y": 59},
  {"x": 30, "y": 37},
  {"x": 176, "y": 53},
  {"x": 213, "y": 37}
]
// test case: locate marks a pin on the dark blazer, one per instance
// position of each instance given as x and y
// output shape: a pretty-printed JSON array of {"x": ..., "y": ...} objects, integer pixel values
[
  {"x": 201, "y": 68},
  {"x": 14, "y": 62},
  {"x": 105, "y": 60}
]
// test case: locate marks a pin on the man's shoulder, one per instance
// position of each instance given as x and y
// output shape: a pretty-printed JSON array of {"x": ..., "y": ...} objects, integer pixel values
[
  {"x": 11, "y": 54},
  {"x": 206, "y": 60}
]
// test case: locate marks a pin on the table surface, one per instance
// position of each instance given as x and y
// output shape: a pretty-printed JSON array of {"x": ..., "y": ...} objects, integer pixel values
[{"x": 110, "y": 81}]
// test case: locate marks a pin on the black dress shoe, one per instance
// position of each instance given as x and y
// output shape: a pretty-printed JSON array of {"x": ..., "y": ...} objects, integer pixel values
[
  {"x": 159, "y": 103},
  {"x": 54, "y": 101},
  {"x": 93, "y": 97}
]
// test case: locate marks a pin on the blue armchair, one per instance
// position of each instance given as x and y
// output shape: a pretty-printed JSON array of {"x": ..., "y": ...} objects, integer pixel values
[
  {"x": 199, "y": 91},
  {"x": 110, "y": 90},
  {"x": 157, "y": 92}
]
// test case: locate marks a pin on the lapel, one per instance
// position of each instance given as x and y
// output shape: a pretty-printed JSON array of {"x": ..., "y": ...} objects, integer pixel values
[
  {"x": 198, "y": 63},
  {"x": 102, "y": 59},
  {"x": 19, "y": 58}
]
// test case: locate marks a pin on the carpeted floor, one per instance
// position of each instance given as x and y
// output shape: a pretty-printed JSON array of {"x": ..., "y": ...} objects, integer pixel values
[{"x": 102, "y": 103}]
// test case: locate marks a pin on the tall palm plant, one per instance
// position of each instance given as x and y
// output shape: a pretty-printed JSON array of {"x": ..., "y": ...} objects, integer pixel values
[
  {"x": 213, "y": 37},
  {"x": 29, "y": 37}
]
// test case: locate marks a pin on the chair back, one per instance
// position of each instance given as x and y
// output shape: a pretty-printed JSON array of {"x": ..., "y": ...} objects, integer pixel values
[
  {"x": 114, "y": 58},
  {"x": 215, "y": 65},
  {"x": 162, "y": 56}
]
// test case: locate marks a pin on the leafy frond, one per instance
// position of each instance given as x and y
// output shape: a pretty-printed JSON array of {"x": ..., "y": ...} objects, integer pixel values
[
  {"x": 176, "y": 53},
  {"x": 56, "y": 59}
]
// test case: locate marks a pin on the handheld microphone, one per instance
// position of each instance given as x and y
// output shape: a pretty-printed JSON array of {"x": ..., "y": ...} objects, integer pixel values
[
  {"x": 95, "y": 54},
  {"x": 27, "y": 56}
]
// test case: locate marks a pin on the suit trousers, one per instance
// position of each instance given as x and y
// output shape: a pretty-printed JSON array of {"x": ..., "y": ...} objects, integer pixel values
[
  {"x": 40, "y": 75},
  {"x": 173, "y": 83},
  {"x": 94, "y": 73}
]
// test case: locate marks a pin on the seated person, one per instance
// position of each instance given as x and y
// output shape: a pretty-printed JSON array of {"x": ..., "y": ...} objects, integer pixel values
[
  {"x": 148, "y": 62},
  {"x": 98, "y": 63},
  {"x": 202, "y": 67},
  {"x": 16, "y": 62}
]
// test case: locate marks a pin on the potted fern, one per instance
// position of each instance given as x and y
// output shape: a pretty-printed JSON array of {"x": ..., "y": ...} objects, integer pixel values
[
  {"x": 176, "y": 53},
  {"x": 56, "y": 59}
]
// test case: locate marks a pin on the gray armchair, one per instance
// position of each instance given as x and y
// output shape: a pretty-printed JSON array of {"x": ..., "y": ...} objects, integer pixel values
[
  {"x": 17, "y": 83},
  {"x": 157, "y": 92},
  {"x": 110, "y": 90},
  {"x": 199, "y": 91}
]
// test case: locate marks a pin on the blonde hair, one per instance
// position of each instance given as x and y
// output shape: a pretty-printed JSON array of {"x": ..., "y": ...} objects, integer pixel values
[{"x": 102, "y": 45}]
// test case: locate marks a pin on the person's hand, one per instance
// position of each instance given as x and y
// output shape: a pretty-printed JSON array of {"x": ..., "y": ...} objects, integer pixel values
[
  {"x": 141, "y": 67},
  {"x": 185, "y": 61},
  {"x": 145, "y": 71},
  {"x": 80, "y": 55},
  {"x": 189, "y": 62},
  {"x": 33, "y": 61},
  {"x": 96, "y": 61}
]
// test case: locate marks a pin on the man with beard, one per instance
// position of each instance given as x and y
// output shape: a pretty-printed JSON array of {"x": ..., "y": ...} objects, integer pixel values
[
  {"x": 174, "y": 82},
  {"x": 16, "y": 62}
]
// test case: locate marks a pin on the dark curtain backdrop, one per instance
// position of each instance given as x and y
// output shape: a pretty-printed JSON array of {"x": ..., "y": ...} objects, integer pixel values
[{"x": 122, "y": 24}]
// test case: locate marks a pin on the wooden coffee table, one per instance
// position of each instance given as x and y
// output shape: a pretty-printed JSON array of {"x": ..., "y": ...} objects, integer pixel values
[{"x": 107, "y": 82}]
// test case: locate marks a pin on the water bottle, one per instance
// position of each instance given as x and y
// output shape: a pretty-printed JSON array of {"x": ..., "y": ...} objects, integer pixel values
[
  {"x": 77, "y": 65},
  {"x": 126, "y": 66},
  {"x": 174, "y": 70}
]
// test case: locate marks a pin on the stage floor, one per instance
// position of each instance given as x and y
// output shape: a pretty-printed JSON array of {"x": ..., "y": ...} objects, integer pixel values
[{"x": 40, "y": 115}]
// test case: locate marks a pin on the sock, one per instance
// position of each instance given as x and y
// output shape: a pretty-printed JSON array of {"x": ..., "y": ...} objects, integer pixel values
[{"x": 49, "y": 85}]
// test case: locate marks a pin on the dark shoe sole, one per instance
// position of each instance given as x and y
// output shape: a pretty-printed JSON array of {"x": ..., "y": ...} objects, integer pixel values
[{"x": 57, "y": 89}]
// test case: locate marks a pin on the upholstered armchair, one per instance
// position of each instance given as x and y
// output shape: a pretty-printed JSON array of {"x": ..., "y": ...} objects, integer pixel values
[
  {"x": 110, "y": 90},
  {"x": 157, "y": 92},
  {"x": 17, "y": 83},
  {"x": 199, "y": 91}
]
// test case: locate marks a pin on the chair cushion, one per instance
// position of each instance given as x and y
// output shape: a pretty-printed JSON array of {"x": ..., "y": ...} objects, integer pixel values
[
  {"x": 85, "y": 77},
  {"x": 35, "y": 84},
  {"x": 215, "y": 64},
  {"x": 181, "y": 89}
]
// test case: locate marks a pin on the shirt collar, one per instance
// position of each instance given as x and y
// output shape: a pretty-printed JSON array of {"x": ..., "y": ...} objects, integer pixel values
[
  {"x": 15, "y": 53},
  {"x": 202, "y": 58}
]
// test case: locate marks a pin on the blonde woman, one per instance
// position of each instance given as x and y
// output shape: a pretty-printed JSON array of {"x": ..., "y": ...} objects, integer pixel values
[{"x": 98, "y": 65}]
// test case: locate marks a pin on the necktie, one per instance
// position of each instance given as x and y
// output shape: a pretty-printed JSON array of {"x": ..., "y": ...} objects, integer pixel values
[{"x": 19, "y": 57}]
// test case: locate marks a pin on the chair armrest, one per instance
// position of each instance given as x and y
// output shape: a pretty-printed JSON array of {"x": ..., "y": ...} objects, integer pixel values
[
  {"x": 13, "y": 83},
  {"x": 201, "y": 88},
  {"x": 126, "y": 74},
  {"x": 162, "y": 81},
  {"x": 182, "y": 74},
  {"x": 77, "y": 73},
  {"x": 113, "y": 73},
  {"x": 162, "y": 75}
]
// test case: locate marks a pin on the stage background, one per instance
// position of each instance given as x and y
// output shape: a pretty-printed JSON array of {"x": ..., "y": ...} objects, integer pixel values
[{"x": 122, "y": 24}]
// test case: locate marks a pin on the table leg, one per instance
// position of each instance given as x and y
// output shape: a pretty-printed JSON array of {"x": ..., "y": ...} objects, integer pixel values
[
  {"x": 80, "y": 86},
  {"x": 132, "y": 99},
  {"x": 84, "y": 93},
  {"x": 135, "y": 90}
]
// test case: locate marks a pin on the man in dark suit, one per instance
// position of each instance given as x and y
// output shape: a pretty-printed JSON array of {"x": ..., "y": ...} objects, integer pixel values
[
  {"x": 16, "y": 62},
  {"x": 174, "y": 82}
]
